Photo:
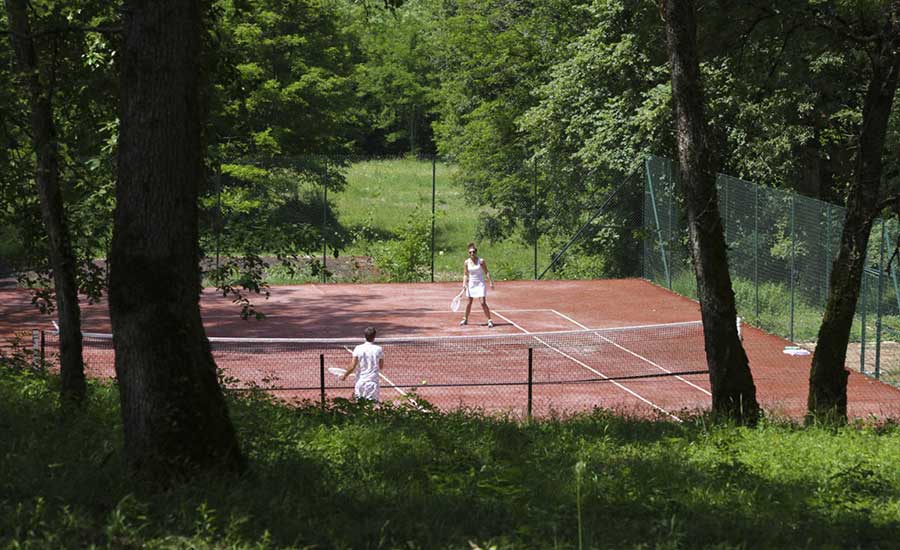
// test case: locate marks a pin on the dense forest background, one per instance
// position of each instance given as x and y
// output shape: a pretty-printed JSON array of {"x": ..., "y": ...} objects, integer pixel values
[{"x": 581, "y": 88}]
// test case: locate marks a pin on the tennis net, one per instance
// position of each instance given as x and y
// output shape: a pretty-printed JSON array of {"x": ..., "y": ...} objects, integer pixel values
[{"x": 661, "y": 367}]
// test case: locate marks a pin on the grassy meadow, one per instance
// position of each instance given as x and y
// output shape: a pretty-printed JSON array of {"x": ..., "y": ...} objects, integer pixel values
[
  {"x": 382, "y": 196},
  {"x": 351, "y": 476}
]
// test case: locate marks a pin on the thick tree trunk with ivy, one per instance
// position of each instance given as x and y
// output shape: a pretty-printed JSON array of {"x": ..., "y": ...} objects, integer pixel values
[
  {"x": 827, "y": 399},
  {"x": 62, "y": 259},
  {"x": 733, "y": 390},
  {"x": 175, "y": 417}
]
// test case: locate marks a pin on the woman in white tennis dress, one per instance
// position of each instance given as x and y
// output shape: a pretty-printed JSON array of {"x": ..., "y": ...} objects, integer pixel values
[{"x": 474, "y": 273}]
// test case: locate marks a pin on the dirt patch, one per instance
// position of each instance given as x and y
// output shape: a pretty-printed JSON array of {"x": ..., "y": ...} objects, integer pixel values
[{"x": 343, "y": 269}]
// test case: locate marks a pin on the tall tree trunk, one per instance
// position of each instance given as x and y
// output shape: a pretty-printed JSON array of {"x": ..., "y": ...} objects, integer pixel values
[
  {"x": 733, "y": 391},
  {"x": 827, "y": 400},
  {"x": 174, "y": 413},
  {"x": 62, "y": 260}
]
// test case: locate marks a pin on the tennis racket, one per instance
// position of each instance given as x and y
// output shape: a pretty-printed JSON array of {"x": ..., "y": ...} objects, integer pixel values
[
  {"x": 454, "y": 304},
  {"x": 340, "y": 372}
]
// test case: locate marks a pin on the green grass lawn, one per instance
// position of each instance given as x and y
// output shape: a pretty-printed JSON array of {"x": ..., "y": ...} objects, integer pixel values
[
  {"x": 382, "y": 195},
  {"x": 357, "y": 477}
]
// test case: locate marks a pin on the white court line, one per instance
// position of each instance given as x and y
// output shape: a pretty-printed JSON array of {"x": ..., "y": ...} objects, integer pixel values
[
  {"x": 598, "y": 373},
  {"x": 641, "y": 357},
  {"x": 430, "y": 311}
]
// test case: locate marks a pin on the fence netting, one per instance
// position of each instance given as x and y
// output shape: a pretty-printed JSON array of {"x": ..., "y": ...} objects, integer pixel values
[
  {"x": 644, "y": 369},
  {"x": 324, "y": 219},
  {"x": 781, "y": 249}
]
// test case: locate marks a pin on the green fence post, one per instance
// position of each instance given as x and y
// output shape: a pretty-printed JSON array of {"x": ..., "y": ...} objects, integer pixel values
[
  {"x": 896, "y": 286},
  {"x": 669, "y": 225},
  {"x": 756, "y": 251},
  {"x": 218, "y": 222},
  {"x": 725, "y": 209},
  {"x": 433, "y": 194},
  {"x": 862, "y": 324},
  {"x": 793, "y": 259},
  {"x": 878, "y": 312},
  {"x": 662, "y": 245},
  {"x": 324, "y": 218},
  {"x": 534, "y": 199}
]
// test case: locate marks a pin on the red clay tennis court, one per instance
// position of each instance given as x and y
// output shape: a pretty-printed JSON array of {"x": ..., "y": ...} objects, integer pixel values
[{"x": 625, "y": 345}]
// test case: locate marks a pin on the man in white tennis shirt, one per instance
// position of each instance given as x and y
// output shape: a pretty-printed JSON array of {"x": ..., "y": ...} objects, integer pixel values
[{"x": 370, "y": 360}]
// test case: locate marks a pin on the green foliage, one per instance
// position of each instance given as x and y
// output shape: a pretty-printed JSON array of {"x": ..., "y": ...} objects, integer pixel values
[
  {"x": 407, "y": 258},
  {"x": 774, "y": 309},
  {"x": 264, "y": 215},
  {"x": 492, "y": 56},
  {"x": 283, "y": 78},
  {"x": 354, "y": 476},
  {"x": 381, "y": 195},
  {"x": 76, "y": 71},
  {"x": 397, "y": 80},
  {"x": 606, "y": 103}
]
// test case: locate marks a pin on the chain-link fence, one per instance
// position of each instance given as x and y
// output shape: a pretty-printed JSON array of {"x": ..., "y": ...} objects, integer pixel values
[
  {"x": 781, "y": 247},
  {"x": 362, "y": 219},
  {"x": 358, "y": 219},
  {"x": 647, "y": 370}
]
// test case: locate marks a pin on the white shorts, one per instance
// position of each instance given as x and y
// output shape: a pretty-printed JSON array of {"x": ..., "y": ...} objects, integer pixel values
[
  {"x": 477, "y": 289},
  {"x": 368, "y": 389}
]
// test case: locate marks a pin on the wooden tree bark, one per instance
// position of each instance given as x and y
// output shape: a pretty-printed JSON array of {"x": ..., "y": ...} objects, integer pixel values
[
  {"x": 175, "y": 418},
  {"x": 827, "y": 400},
  {"x": 733, "y": 390},
  {"x": 62, "y": 259}
]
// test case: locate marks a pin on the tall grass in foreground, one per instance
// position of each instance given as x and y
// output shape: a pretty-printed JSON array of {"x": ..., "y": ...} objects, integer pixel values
[{"x": 357, "y": 477}]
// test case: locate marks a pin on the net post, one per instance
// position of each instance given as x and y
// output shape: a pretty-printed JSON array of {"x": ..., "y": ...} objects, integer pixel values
[
  {"x": 322, "y": 377},
  {"x": 530, "y": 378},
  {"x": 35, "y": 347},
  {"x": 43, "y": 346}
]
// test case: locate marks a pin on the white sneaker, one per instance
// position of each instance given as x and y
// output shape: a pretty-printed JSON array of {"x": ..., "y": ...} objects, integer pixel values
[
  {"x": 490, "y": 324},
  {"x": 464, "y": 322}
]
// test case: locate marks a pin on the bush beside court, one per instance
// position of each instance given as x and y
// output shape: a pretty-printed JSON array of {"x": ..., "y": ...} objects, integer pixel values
[{"x": 354, "y": 477}]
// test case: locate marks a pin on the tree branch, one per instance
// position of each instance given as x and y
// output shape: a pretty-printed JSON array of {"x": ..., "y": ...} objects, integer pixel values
[{"x": 63, "y": 30}]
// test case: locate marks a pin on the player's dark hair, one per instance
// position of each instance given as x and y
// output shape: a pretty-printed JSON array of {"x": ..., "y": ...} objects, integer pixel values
[
  {"x": 370, "y": 334},
  {"x": 471, "y": 246}
]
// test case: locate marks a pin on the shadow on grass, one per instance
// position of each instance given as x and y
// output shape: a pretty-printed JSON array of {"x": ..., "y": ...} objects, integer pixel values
[{"x": 357, "y": 476}]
